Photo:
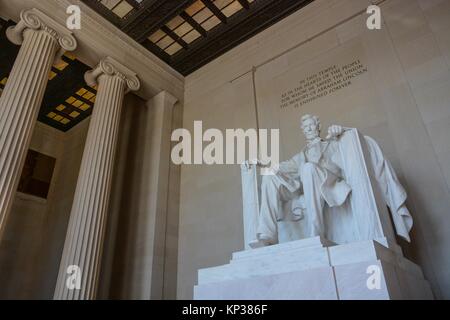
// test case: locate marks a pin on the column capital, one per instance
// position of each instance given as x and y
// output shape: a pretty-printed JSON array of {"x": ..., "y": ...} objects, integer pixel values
[
  {"x": 36, "y": 20},
  {"x": 109, "y": 66}
]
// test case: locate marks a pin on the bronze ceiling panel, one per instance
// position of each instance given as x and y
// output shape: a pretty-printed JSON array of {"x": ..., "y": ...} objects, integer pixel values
[{"x": 206, "y": 30}]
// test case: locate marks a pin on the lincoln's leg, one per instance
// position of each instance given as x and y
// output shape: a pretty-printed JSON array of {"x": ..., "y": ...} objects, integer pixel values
[
  {"x": 312, "y": 178},
  {"x": 270, "y": 207}
]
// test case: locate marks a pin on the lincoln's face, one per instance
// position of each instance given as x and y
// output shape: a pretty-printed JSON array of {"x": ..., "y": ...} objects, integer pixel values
[{"x": 310, "y": 128}]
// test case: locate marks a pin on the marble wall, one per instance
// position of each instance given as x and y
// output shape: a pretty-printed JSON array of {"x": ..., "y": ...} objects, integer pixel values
[
  {"x": 140, "y": 256},
  {"x": 402, "y": 99},
  {"x": 57, "y": 218},
  {"x": 36, "y": 228}
]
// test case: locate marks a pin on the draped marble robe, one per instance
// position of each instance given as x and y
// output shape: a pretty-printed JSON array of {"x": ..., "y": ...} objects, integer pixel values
[{"x": 287, "y": 185}]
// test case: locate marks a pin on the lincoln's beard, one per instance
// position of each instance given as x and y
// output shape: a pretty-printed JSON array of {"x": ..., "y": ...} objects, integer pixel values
[{"x": 311, "y": 136}]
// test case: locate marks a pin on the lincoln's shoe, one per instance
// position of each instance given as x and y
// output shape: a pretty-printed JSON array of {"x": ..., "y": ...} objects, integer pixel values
[{"x": 262, "y": 241}]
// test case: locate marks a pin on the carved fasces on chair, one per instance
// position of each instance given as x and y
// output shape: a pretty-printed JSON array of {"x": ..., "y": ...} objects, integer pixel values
[
  {"x": 250, "y": 197},
  {"x": 369, "y": 210}
]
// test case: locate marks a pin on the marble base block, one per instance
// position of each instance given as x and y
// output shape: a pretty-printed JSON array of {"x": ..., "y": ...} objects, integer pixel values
[{"x": 315, "y": 269}]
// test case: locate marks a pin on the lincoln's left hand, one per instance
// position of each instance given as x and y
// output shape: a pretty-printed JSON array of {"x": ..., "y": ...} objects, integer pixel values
[{"x": 335, "y": 132}]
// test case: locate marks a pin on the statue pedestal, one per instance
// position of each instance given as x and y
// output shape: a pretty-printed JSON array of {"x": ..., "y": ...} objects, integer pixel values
[{"x": 315, "y": 268}]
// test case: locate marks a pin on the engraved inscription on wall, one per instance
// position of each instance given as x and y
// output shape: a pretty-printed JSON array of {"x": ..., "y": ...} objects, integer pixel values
[{"x": 322, "y": 84}]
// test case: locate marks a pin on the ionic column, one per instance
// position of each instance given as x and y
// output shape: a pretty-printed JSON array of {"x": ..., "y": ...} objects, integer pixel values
[
  {"x": 86, "y": 230},
  {"x": 42, "y": 41}
]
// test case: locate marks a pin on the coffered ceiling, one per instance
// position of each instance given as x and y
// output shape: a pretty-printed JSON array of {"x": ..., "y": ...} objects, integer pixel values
[
  {"x": 67, "y": 100},
  {"x": 187, "y": 34}
]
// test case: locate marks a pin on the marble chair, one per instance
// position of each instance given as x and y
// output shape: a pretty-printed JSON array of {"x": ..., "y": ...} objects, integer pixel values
[{"x": 364, "y": 216}]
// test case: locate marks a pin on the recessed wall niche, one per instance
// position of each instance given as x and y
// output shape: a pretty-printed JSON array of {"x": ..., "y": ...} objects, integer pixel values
[{"x": 37, "y": 174}]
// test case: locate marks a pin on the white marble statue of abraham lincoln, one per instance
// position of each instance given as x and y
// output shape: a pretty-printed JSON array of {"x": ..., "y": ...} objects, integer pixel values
[
  {"x": 314, "y": 178},
  {"x": 314, "y": 173}
]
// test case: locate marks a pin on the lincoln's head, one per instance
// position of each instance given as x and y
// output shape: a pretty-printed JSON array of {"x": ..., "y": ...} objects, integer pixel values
[{"x": 310, "y": 126}]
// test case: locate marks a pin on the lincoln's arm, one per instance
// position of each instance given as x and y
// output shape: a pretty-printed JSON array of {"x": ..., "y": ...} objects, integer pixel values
[
  {"x": 289, "y": 167},
  {"x": 286, "y": 167},
  {"x": 334, "y": 133}
]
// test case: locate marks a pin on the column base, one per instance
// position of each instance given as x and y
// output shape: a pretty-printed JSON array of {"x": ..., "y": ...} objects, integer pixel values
[{"x": 315, "y": 269}]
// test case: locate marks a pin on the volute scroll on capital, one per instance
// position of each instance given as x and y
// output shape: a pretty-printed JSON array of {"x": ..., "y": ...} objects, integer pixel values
[
  {"x": 36, "y": 20},
  {"x": 111, "y": 67}
]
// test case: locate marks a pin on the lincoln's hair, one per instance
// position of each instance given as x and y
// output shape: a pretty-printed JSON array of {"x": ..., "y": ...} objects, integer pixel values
[{"x": 308, "y": 116}]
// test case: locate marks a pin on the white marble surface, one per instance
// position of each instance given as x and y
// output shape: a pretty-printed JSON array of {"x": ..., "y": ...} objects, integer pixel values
[
  {"x": 304, "y": 268},
  {"x": 299, "y": 244},
  {"x": 312, "y": 284},
  {"x": 345, "y": 174},
  {"x": 351, "y": 281},
  {"x": 269, "y": 265},
  {"x": 287, "y": 257}
]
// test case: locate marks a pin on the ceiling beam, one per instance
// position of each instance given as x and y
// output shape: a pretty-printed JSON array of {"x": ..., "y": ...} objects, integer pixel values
[
  {"x": 104, "y": 11},
  {"x": 152, "y": 15},
  {"x": 245, "y": 4},
  {"x": 134, "y": 4},
  {"x": 63, "y": 114},
  {"x": 70, "y": 107},
  {"x": 145, "y": 5},
  {"x": 174, "y": 36},
  {"x": 241, "y": 27},
  {"x": 216, "y": 11},
  {"x": 84, "y": 100},
  {"x": 155, "y": 17},
  {"x": 157, "y": 51},
  {"x": 194, "y": 24}
]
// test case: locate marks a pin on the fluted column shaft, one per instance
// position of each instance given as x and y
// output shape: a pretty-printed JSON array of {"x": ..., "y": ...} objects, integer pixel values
[
  {"x": 22, "y": 97},
  {"x": 86, "y": 230}
]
